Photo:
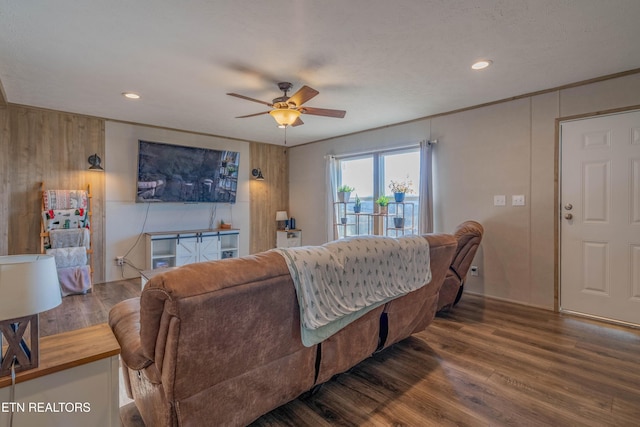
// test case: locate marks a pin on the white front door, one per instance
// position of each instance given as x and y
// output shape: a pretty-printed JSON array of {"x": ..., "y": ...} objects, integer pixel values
[{"x": 600, "y": 217}]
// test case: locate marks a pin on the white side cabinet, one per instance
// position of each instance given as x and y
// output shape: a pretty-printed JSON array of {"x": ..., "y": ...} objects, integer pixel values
[
  {"x": 288, "y": 238},
  {"x": 176, "y": 248},
  {"x": 75, "y": 385}
]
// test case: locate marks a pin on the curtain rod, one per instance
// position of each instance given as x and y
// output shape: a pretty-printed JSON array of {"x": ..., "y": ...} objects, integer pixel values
[{"x": 364, "y": 153}]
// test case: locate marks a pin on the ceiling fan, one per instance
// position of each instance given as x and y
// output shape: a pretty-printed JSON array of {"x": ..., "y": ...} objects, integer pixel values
[{"x": 286, "y": 110}]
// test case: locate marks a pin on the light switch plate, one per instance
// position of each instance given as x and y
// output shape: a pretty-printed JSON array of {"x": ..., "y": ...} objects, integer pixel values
[
  {"x": 499, "y": 200},
  {"x": 517, "y": 200}
]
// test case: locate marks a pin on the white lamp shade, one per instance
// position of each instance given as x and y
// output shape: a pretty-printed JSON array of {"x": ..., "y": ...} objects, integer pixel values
[
  {"x": 28, "y": 285},
  {"x": 281, "y": 216}
]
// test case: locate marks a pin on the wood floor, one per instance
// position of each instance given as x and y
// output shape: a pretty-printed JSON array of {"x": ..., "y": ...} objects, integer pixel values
[
  {"x": 485, "y": 363},
  {"x": 80, "y": 311}
]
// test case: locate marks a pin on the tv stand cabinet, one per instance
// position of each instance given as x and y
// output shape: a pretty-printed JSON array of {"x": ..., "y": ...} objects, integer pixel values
[{"x": 175, "y": 248}]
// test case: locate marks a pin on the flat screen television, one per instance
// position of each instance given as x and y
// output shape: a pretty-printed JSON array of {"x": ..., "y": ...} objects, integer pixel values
[{"x": 180, "y": 174}]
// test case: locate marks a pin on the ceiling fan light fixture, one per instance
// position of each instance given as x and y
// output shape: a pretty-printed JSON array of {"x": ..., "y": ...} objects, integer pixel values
[{"x": 284, "y": 116}]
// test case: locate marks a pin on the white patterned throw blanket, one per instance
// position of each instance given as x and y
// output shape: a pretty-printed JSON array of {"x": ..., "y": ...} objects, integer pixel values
[
  {"x": 341, "y": 281},
  {"x": 65, "y": 199}
]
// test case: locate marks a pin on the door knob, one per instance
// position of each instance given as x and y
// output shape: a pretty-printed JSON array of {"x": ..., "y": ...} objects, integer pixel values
[
  {"x": 568, "y": 216},
  {"x": 568, "y": 206}
]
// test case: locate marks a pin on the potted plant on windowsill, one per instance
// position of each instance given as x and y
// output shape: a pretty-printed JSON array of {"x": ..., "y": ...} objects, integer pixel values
[
  {"x": 400, "y": 188},
  {"x": 357, "y": 206},
  {"x": 383, "y": 204},
  {"x": 344, "y": 193},
  {"x": 398, "y": 222}
]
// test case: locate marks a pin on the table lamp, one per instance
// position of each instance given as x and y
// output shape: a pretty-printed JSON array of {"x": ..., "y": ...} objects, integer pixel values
[
  {"x": 28, "y": 286},
  {"x": 281, "y": 216}
]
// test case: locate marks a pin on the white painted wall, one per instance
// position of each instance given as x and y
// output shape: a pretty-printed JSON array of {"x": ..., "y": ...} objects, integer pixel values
[
  {"x": 502, "y": 149},
  {"x": 482, "y": 153},
  {"x": 125, "y": 219}
]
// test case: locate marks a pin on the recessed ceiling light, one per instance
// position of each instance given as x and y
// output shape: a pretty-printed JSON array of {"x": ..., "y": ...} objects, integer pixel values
[
  {"x": 481, "y": 65},
  {"x": 131, "y": 95}
]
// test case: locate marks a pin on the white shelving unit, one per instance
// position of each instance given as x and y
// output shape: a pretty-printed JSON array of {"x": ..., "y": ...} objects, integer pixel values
[
  {"x": 175, "y": 248},
  {"x": 229, "y": 246}
]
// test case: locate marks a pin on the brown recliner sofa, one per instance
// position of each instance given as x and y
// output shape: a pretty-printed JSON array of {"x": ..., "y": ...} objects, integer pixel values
[
  {"x": 218, "y": 343},
  {"x": 468, "y": 235}
]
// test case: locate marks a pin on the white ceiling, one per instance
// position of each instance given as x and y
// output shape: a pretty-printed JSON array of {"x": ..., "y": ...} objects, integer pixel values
[{"x": 382, "y": 61}]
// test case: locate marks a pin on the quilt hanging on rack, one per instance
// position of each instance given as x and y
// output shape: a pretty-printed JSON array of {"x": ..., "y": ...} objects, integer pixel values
[
  {"x": 65, "y": 218},
  {"x": 65, "y": 199},
  {"x": 69, "y": 238}
]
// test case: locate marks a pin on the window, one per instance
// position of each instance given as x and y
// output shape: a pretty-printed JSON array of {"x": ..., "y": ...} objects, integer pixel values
[{"x": 371, "y": 175}]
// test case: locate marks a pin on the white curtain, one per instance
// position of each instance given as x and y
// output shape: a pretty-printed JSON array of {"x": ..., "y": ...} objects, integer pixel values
[
  {"x": 425, "y": 198},
  {"x": 332, "y": 188}
]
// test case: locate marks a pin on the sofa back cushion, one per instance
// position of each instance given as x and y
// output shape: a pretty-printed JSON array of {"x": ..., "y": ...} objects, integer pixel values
[
  {"x": 469, "y": 235},
  {"x": 236, "y": 313}
]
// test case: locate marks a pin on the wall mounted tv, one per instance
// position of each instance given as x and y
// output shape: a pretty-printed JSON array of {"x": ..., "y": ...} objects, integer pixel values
[{"x": 176, "y": 173}]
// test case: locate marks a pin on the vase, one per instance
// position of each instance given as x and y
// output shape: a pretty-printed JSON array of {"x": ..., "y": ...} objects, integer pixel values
[
  {"x": 399, "y": 197},
  {"x": 357, "y": 208},
  {"x": 398, "y": 222},
  {"x": 382, "y": 210},
  {"x": 344, "y": 196}
]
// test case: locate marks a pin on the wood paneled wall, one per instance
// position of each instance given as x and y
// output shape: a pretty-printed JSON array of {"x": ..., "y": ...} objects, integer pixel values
[
  {"x": 268, "y": 196},
  {"x": 50, "y": 147}
]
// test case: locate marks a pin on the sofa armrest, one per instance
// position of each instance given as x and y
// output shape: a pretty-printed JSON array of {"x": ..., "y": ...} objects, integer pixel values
[{"x": 124, "y": 320}]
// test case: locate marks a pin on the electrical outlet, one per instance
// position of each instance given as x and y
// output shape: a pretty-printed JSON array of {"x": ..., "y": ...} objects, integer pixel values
[
  {"x": 474, "y": 270},
  {"x": 517, "y": 200},
  {"x": 499, "y": 200},
  {"x": 119, "y": 260}
]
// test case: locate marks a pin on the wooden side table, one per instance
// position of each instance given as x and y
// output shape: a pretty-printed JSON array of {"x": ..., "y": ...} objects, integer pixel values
[{"x": 75, "y": 384}]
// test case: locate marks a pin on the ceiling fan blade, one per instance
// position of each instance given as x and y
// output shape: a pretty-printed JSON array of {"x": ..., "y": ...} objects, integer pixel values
[
  {"x": 298, "y": 122},
  {"x": 303, "y": 95},
  {"x": 339, "y": 114},
  {"x": 252, "y": 115},
  {"x": 250, "y": 99}
]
